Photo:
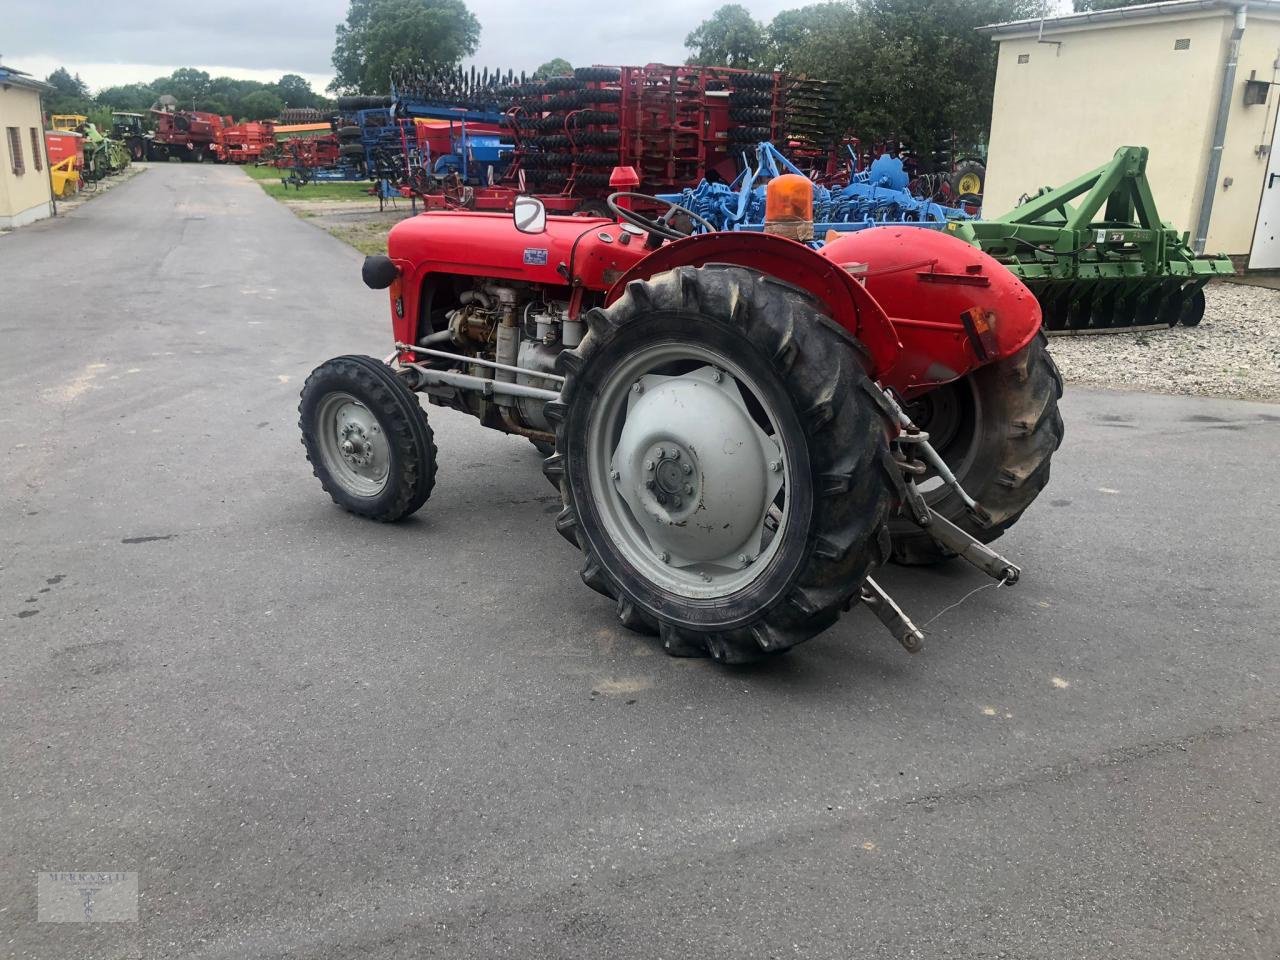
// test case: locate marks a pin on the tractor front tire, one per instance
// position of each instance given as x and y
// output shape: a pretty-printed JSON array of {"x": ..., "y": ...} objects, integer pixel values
[
  {"x": 367, "y": 438},
  {"x": 721, "y": 463},
  {"x": 997, "y": 429}
]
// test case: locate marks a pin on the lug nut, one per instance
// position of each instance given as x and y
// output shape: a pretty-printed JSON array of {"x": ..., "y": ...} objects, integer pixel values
[
  {"x": 688, "y": 489},
  {"x": 638, "y": 387},
  {"x": 662, "y": 453},
  {"x": 648, "y": 484},
  {"x": 664, "y": 556},
  {"x": 614, "y": 475},
  {"x": 717, "y": 376},
  {"x": 775, "y": 465},
  {"x": 675, "y": 454},
  {"x": 706, "y": 578},
  {"x": 687, "y": 468},
  {"x": 743, "y": 559},
  {"x": 676, "y": 501},
  {"x": 648, "y": 464}
]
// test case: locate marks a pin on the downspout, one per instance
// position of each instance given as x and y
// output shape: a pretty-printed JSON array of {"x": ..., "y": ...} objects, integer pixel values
[{"x": 1219, "y": 131}]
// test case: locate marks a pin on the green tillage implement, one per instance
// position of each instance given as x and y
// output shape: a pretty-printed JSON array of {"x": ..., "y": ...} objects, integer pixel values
[{"x": 1096, "y": 254}]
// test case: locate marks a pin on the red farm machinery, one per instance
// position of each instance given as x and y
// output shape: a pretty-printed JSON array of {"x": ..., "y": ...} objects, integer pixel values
[
  {"x": 188, "y": 135},
  {"x": 245, "y": 142},
  {"x": 741, "y": 427}
]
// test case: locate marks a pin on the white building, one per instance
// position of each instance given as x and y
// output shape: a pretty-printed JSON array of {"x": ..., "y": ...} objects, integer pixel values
[{"x": 1193, "y": 80}]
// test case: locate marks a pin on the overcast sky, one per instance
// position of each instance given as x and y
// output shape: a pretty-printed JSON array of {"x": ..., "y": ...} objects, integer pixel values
[{"x": 137, "y": 40}]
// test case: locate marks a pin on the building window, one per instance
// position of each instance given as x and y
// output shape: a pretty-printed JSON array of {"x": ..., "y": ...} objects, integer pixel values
[
  {"x": 1024, "y": 58},
  {"x": 1183, "y": 44},
  {"x": 15, "y": 151},
  {"x": 36, "y": 152}
]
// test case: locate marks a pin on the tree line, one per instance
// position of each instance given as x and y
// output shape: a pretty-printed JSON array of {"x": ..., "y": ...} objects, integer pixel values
[{"x": 191, "y": 88}]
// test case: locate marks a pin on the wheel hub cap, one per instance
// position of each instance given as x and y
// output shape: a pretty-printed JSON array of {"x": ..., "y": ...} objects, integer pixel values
[
  {"x": 354, "y": 445},
  {"x": 696, "y": 470}
]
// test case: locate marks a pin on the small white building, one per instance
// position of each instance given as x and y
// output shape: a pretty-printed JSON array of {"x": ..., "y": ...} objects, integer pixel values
[
  {"x": 25, "y": 194},
  {"x": 1193, "y": 80}
]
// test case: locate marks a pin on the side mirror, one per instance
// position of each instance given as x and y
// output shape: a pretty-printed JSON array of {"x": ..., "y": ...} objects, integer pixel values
[{"x": 530, "y": 215}]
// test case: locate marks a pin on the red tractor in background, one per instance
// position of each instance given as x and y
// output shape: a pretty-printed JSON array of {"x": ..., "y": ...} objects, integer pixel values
[{"x": 741, "y": 427}]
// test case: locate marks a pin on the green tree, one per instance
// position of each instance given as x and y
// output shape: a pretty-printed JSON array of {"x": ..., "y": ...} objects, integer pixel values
[
  {"x": 135, "y": 97},
  {"x": 730, "y": 37},
  {"x": 186, "y": 85},
  {"x": 70, "y": 95},
  {"x": 559, "y": 67},
  {"x": 262, "y": 104},
  {"x": 295, "y": 91},
  {"x": 68, "y": 86},
  {"x": 810, "y": 40},
  {"x": 380, "y": 35}
]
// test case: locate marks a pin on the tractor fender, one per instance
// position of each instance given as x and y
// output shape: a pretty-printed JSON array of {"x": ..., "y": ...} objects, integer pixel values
[
  {"x": 841, "y": 297},
  {"x": 954, "y": 307}
]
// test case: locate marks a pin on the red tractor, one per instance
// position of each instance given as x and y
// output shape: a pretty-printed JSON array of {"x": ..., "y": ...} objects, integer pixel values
[{"x": 741, "y": 427}]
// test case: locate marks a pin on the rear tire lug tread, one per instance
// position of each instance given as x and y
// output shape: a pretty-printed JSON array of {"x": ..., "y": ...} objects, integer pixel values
[{"x": 748, "y": 302}]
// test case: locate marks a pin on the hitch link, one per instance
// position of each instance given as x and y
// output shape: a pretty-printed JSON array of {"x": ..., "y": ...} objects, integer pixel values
[
  {"x": 913, "y": 434},
  {"x": 892, "y": 616},
  {"x": 979, "y": 554}
]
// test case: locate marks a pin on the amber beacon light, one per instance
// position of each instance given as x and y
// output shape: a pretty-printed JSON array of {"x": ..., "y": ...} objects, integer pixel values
[{"x": 788, "y": 207}]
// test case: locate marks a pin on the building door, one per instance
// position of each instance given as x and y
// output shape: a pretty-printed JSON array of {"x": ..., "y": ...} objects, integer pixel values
[{"x": 1265, "y": 252}]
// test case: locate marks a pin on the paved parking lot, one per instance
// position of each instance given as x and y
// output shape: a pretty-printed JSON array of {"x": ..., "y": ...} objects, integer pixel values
[{"x": 316, "y": 737}]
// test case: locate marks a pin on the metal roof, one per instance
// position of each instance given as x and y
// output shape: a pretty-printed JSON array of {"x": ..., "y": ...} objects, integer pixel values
[
  {"x": 1145, "y": 11},
  {"x": 19, "y": 78}
]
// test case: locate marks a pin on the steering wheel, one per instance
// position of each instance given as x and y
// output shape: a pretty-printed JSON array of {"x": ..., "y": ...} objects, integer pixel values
[{"x": 660, "y": 227}]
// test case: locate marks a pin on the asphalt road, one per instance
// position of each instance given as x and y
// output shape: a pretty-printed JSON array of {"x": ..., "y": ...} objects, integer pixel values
[{"x": 316, "y": 737}]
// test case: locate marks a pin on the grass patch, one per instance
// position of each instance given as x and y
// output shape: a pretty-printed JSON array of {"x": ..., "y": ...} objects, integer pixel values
[
  {"x": 269, "y": 179},
  {"x": 368, "y": 238}
]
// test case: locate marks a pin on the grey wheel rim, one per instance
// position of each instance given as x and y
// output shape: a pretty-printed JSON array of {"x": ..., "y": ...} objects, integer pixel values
[
  {"x": 687, "y": 471},
  {"x": 353, "y": 446}
]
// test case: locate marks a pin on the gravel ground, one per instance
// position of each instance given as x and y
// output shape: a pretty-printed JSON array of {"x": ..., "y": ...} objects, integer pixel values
[{"x": 1234, "y": 352}]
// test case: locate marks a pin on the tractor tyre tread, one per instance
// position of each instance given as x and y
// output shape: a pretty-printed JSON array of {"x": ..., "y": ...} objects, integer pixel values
[
  {"x": 1027, "y": 430},
  {"x": 413, "y": 449},
  {"x": 844, "y": 433}
]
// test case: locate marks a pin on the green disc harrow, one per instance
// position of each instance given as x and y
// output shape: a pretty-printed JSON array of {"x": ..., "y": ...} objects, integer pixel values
[{"x": 1096, "y": 254}]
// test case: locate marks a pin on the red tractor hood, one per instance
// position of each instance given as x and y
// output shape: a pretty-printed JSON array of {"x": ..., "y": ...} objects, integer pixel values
[{"x": 487, "y": 245}]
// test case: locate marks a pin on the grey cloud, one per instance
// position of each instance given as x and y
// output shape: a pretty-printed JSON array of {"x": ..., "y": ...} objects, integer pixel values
[{"x": 284, "y": 37}]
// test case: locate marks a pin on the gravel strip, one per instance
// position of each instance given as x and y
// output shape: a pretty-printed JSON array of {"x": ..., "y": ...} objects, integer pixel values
[{"x": 1234, "y": 352}]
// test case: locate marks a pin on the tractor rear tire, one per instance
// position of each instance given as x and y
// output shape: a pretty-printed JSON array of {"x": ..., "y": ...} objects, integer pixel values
[
  {"x": 726, "y": 346},
  {"x": 388, "y": 471},
  {"x": 999, "y": 442},
  {"x": 968, "y": 180}
]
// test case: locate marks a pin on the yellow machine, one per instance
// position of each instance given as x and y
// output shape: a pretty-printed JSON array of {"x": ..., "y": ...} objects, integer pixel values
[
  {"x": 67, "y": 122},
  {"x": 65, "y": 178}
]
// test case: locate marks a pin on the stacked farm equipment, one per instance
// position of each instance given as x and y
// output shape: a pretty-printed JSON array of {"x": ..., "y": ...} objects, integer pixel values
[{"x": 670, "y": 124}]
